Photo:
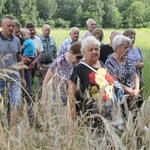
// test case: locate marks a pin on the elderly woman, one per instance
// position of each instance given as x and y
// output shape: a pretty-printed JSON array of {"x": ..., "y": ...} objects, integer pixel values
[
  {"x": 87, "y": 85},
  {"x": 63, "y": 66},
  {"x": 122, "y": 69},
  {"x": 135, "y": 55}
]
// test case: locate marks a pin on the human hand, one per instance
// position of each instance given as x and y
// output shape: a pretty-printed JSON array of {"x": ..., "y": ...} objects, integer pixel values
[
  {"x": 42, "y": 103},
  {"x": 32, "y": 64},
  {"x": 139, "y": 65},
  {"x": 23, "y": 82}
]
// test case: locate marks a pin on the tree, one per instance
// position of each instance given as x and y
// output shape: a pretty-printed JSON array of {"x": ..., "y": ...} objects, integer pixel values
[
  {"x": 92, "y": 9},
  {"x": 70, "y": 10},
  {"x": 1, "y": 6},
  {"x": 46, "y": 9},
  {"x": 25, "y": 10},
  {"x": 134, "y": 14},
  {"x": 112, "y": 17}
]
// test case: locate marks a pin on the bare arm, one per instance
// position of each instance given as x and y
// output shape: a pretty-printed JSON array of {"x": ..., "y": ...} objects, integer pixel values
[
  {"x": 33, "y": 63},
  {"x": 126, "y": 89},
  {"x": 19, "y": 59},
  {"x": 48, "y": 76},
  {"x": 71, "y": 100},
  {"x": 22, "y": 47}
]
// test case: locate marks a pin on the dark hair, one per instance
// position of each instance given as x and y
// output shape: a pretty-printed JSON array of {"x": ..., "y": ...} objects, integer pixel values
[
  {"x": 30, "y": 25},
  {"x": 129, "y": 32},
  {"x": 76, "y": 47}
]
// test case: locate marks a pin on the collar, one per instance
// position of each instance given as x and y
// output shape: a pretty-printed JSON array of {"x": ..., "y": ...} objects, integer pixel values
[
  {"x": 70, "y": 40},
  {"x": 43, "y": 38},
  {"x": 3, "y": 38}
]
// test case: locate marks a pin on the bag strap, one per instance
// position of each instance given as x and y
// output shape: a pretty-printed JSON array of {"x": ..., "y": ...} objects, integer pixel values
[
  {"x": 100, "y": 76},
  {"x": 94, "y": 71}
]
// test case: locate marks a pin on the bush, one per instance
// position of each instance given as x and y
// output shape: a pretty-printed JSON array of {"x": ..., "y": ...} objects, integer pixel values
[{"x": 61, "y": 23}]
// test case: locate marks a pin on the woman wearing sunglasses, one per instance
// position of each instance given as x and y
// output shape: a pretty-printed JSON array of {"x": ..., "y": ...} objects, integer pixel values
[{"x": 58, "y": 74}]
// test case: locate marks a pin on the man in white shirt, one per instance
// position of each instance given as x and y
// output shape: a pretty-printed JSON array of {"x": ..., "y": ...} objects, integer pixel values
[{"x": 91, "y": 25}]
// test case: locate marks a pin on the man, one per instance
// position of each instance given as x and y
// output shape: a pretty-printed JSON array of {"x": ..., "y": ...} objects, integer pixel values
[
  {"x": 17, "y": 31},
  {"x": 10, "y": 49},
  {"x": 48, "y": 55},
  {"x": 38, "y": 48},
  {"x": 65, "y": 46},
  {"x": 91, "y": 25},
  {"x": 107, "y": 49}
]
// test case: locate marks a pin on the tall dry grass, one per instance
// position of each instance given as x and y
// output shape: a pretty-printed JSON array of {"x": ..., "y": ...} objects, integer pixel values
[{"x": 56, "y": 131}]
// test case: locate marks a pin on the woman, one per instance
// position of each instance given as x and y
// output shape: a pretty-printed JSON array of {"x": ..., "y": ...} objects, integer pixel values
[
  {"x": 135, "y": 55},
  {"x": 62, "y": 66},
  {"x": 88, "y": 86},
  {"x": 98, "y": 34},
  {"x": 122, "y": 69}
]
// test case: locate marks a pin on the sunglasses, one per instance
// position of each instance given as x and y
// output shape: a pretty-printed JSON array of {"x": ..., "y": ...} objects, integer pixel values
[{"x": 79, "y": 57}]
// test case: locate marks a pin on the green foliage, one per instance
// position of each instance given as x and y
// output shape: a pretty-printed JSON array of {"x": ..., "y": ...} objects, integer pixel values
[
  {"x": 107, "y": 13},
  {"x": 61, "y": 23},
  {"x": 46, "y": 9}
]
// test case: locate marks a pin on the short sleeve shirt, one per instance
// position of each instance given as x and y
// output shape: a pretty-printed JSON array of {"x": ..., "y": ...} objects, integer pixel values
[
  {"x": 65, "y": 46},
  {"x": 29, "y": 48},
  {"x": 49, "y": 46},
  {"x": 61, "y": 67},
  {"x": 38, "y": 47},
  {"x": 8, "y": 53}
]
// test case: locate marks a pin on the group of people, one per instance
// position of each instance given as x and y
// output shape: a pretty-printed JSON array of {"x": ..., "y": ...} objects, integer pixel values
[{"x": 89, "y": 67}]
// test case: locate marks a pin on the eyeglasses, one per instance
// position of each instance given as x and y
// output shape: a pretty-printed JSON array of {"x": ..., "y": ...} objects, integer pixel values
[{"x": 79, "y": 57}]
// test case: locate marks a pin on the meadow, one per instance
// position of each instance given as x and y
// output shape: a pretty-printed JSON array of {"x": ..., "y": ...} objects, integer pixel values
[{"x": 55, "y": 131}]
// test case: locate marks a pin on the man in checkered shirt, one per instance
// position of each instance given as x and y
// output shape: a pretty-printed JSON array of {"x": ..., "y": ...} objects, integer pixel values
[{"x": 48, "y": 55}]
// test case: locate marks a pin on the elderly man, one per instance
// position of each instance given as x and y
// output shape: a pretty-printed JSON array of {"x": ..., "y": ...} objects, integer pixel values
[
  {"x": 91, "y": 25},
  {"x": 48, "y": 55},
  {"x": 65, "y": 46}
]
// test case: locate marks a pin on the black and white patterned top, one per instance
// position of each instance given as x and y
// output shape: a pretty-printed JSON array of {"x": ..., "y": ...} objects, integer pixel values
[{"x": 125, "y": 73}]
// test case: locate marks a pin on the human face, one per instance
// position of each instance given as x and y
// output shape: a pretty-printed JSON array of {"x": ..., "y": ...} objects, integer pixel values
[
  {"x": 91, "y": 53},
  {"x": 132, "y": 37},
  {"x": 74, "y": 35},
  {"x": 122, "y": 50},
  {"x": 7, "y": 27},
  {"x": 25, "y": 35},
  {"x": 32, "y": 32},
  {"x": 75, "y": 58},
  {"x": 46, "y": 31},
  {"x": 17, "y": 32},
  {"x": 97, "y": 36},
  {"x": 91, "y": 26}
]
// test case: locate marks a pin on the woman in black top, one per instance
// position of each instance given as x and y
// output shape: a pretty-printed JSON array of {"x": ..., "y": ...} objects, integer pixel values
[{"x": 88, "y": 84}]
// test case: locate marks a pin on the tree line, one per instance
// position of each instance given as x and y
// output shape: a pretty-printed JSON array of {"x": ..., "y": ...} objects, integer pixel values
[{"x": 67, "y": 13}]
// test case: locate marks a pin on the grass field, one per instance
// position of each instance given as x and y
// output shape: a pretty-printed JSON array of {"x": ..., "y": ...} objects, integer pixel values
[{"x": 55, "y": 131}]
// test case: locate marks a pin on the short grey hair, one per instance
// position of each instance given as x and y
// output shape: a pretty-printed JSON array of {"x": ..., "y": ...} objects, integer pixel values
[
  {"x": 87, "y": 40},
  {"x": 74, "y": 28},
  {"x": 89, "y": 20},
  {"x": 118, "y": 40}
]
